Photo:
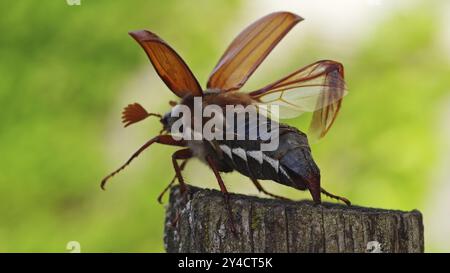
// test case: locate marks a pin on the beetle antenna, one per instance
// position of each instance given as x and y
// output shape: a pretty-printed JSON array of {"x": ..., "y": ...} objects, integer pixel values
[{"x": 134, "y": 113}]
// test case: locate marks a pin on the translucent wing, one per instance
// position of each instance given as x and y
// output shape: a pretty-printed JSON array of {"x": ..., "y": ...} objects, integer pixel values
[
  {"x": 317, "y": 88},
  {"x": 249, "y": 49},
  {"x": 168, "y": 64}
]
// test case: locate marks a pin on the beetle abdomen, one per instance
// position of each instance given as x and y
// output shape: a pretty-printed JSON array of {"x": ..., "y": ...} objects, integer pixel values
[{"x": 290, "y": 164}]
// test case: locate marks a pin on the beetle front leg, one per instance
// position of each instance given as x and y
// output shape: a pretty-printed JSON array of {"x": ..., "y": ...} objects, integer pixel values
[{"x": 162, "y": 139}]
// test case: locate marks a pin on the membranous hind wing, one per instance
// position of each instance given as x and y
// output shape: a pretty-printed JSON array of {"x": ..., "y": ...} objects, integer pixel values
[
  {"x": 168, "y": 64},
  {"x": 249, "y": 49},
  {"x": 317, "y": 88}
]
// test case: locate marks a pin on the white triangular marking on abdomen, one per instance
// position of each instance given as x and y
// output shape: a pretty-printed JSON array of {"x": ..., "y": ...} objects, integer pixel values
[
  {"x": 241, "y": 153},
  {"x": 257, "y": 155},
  {"x": 273, "y": 162},
  {"x": 226, "y": 150}
]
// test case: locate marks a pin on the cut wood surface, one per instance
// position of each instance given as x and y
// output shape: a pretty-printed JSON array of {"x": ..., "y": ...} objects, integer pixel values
[{"x": 198, "y": 222}]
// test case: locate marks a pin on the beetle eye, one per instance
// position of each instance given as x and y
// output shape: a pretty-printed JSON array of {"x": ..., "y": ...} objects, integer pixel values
[{"x": 165, "y": 119}]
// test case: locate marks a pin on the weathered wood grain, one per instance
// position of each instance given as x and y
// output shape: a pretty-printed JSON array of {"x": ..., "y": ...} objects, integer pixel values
[{"x": 268, "y": 225}]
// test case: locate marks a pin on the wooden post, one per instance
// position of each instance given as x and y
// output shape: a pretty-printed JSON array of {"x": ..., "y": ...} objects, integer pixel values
[{"x": 268, "y": 225}]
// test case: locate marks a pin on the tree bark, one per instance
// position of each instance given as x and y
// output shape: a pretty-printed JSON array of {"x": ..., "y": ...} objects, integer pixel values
[{"x": 198, "y": 222}]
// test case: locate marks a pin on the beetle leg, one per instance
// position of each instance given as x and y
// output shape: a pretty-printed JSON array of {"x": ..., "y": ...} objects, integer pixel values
[
  {"x": 343, "y": 199},
  {"x": 261, "y": 189},
  {"x": 185, "y": 154},
  {"x": 223, "y": 189},
  {"x": 174, "y": 221},
  {"x": 162, "y": 139},
  {"x": 183, "y": 164},
  {"x": 181, "y": 154}
]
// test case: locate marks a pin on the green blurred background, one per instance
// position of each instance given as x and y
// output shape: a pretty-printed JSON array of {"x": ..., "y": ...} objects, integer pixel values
[{"x": 67, "y": 71}]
